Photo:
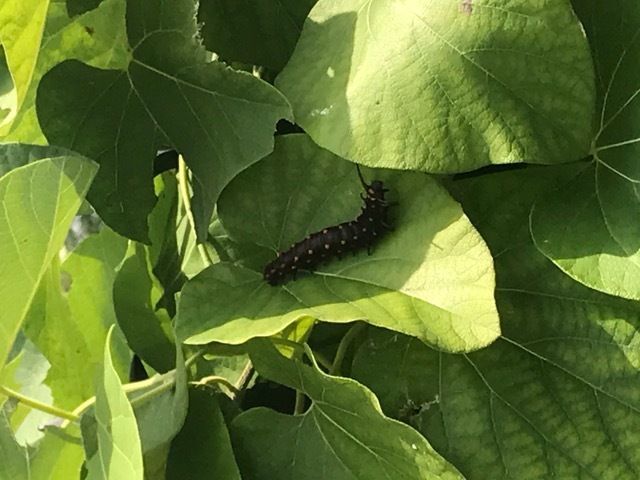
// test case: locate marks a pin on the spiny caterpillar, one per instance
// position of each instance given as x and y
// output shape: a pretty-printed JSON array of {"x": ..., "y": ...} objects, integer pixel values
[{"x": 321, "y": 246}]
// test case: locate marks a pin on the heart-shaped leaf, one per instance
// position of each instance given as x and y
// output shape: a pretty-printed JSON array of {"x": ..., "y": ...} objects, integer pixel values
[
  {"x": 557, "y": 396},
  {"x": 443, "y": 86},
  {"x": 343, "y": 434},
  {"x": 220, "y": 120},
  {"x": 589, "y": 227},
  {"x": 431, "y": 277}
]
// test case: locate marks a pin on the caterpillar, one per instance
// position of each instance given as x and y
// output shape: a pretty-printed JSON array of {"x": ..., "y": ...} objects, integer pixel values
[{"x": 321, "y": 246}]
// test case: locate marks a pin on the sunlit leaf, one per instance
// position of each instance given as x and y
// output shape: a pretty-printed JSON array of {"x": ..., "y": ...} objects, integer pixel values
[
  {"x": 443, "y": 86},
  {"x": 119, "y": 453},
  {"x": 432, "y": 277},
  {"x": 39, "y": 201},
  {"x": 557, "y": 395},
  {"x": 589, "y": 227}
]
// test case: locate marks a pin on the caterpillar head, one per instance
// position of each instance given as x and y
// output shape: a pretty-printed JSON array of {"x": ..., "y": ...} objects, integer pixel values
[{"x": 376, "y": 190}]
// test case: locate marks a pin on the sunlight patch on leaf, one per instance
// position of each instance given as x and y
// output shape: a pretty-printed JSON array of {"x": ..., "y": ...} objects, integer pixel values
[
  {"x": 39, "y": 201},
  {"x": 436, "y": 87},
  {"x": 589, "y": 227},
  {"x": 432, "y": 277}
]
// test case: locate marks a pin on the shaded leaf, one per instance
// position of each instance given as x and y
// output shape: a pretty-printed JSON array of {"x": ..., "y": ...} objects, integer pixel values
[
  {"x": 39, "y": 200},
  {"x": 443, "y": 86},
  {"x": 76, "y": 7},
  {"x": 148, "y": 331},
  {"x": 14, "y": 462},
  {"x": 202, "y": 448},
  {"x": 262, "y": 32},
  {"x": 220, "y": 120},
  {"x": 589, "y": 227},
  {"x": 557, "y": 395},
  {"x": 14, "y": 155},
  {"x": 432, "y": 277},
  {"x": 164, "y": 253},
  {"x": 343, "y": 434}
]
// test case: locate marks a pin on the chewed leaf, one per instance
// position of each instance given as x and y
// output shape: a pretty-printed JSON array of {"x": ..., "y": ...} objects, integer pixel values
[
  {"x": 431, "y": 277},
  {"x": 343, "y": 434},
  {"x": 219, "y": 119},
  {"x": 589, "y": 227},
  {"x": 444, "y": 86}
]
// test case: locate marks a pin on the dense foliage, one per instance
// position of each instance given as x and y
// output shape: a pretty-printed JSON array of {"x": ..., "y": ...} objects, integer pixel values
[{"x": 492, "y": 334}]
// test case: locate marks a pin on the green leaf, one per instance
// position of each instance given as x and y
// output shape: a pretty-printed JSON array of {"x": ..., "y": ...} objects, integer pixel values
[
  {"x": 432, "y": 277},
  {"x": 227, "y": 249},
  {"x": 589, "y": 226},
  {"x": 14, "y": 155},
  {"x": 76, "y": 7},
  {"x": 164, "y": 253},
  {"x": 160, "y": 407},
  {"x": 14, "y": 462},
  {"x": 8, "y": 94},
  {"x": 203, "y": 446},
  {"x": 37, "y": 34},
  {"x": 148, "y": 331},
  {"x": 84, "y": 313},
  {"x": 221, "y": 120},
  {"x": 557, "y": 396},
  {"x": 119, "y": 453},
  {"x": 92, "y": 268},
  {"x": 262, "y": 32},
  {"x": 443, "y": 86},
  {"x": 57, "y": 458},
  {"x": 343, "y": 434},
  {"x": 21, "y": 28},
  {"x": 39, "y": 200},
  {"x": 26, "y": 374}
]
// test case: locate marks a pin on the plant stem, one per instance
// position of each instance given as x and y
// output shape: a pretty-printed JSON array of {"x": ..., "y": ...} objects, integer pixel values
[
  {"x": 183, "y": 182},
  {"x": 215, "y": 379},
  {"x": 242, "y": 381},
  {"x": 353, "y": 332},
  {"x": 191, "y": 360},
  {"x": 128, "y": 388},
  {"x": 298, "y": 408},
  {"x": 43, "y": 407},
  {"x": 322, "y": 360}
]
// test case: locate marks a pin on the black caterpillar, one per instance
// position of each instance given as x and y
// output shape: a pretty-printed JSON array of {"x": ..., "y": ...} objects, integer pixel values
[{"x": 321, "y": 246}]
